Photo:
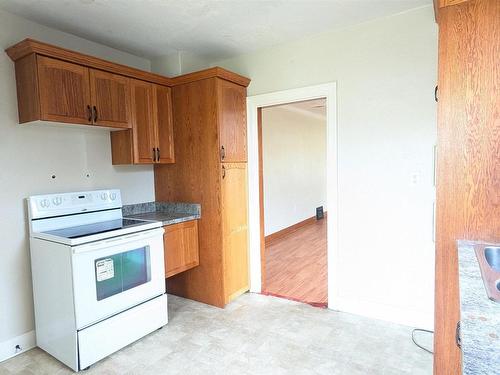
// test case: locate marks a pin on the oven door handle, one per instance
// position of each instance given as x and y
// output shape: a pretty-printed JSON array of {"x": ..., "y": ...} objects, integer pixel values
[{"x": 111, "y": 242}]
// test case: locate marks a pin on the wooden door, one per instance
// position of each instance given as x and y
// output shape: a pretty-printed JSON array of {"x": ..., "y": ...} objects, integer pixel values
[
  {"x": 164, "y": 124},
  {"x": 110, "y": 95},
  {"x": 143, "y": 122},
  {"x": 232, "y": 121},
  {"x": 181, "y": 247},
  {"x": 235, "y": 229},
  {"x": 64, "y": 91},
  {"x": 468, "y": 162}
]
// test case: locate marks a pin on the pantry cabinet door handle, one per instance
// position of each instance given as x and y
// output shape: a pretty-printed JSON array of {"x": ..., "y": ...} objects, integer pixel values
[
  {"x": 89, "y": 113},
  {"x": 458, "y": 338},
  {"x": 222, "y": 153},
  {"x": 223, "y": 172},
  {"x": 95, "y": 114},
  {"x": 157, "y": 154}
]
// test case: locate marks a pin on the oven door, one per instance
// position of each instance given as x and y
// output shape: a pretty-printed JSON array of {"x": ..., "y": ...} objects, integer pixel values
[{"x": 116, "y": 274}]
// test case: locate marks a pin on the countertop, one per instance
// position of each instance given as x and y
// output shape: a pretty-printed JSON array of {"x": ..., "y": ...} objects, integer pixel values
[
  {"x": 479, "y": 317},
  {"x": 166, "y": 212}
]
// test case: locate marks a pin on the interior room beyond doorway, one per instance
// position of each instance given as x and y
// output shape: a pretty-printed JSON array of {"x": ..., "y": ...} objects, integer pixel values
[{"x": 293, "y": 150}]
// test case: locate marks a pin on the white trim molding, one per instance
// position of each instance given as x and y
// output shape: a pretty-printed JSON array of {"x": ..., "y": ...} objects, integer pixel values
[
  {"x": 25, "y": 341},
  {"x": 329, "y": 92}
]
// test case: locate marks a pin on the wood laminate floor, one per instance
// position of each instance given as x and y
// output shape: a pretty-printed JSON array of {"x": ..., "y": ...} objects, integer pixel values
[{"x": 296, "y": 265}]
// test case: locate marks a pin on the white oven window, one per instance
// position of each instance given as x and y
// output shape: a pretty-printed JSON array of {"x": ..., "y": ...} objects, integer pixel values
[{"x": 120, "y": 272}]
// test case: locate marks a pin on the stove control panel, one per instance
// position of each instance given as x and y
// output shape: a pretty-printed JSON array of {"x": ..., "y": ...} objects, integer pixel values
[{"x": 41, "y": 206}]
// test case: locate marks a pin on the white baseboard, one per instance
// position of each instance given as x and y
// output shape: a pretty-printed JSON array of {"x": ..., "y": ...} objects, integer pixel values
[
  {"x": 392, "y": 314},
  {"x": 26, "y": 341}
]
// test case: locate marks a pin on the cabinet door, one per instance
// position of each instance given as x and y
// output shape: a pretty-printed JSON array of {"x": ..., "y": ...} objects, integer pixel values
[
  {"x": 181, "y": 247},
  {"x": 110, "y": 95},
  {"x": 143, "y": 121},
  {"x": 64, "y": 91},
  {"x": 235, "y": 229},
  {"x": 164, "y": 124},
  {"x": 232, "y": 122}
]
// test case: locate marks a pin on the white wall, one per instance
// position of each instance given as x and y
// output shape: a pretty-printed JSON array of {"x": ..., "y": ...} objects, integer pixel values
[
  {"x": 31, "y": 154},
  {"x": 294, "y": 173},
  {"x": 177, "y": 64},
  {"x": 385, "y": 71}
]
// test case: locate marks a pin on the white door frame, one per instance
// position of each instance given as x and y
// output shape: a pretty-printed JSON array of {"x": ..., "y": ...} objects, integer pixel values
[{"x": 328, "y": 91}]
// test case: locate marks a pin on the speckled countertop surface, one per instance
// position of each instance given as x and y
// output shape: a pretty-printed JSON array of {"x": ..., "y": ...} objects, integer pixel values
[
  {"x": 479, "y": 317},
  {"x": 166, "y": 212}
]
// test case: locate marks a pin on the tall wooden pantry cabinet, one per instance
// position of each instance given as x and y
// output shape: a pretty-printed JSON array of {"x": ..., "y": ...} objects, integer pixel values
[
  {"x": 468, "y": 162},
  {"x": 211, "y": 168}
]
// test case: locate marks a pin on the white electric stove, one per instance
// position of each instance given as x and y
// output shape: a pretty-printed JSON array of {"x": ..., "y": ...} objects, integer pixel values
[{"x": 98, "y": 279}]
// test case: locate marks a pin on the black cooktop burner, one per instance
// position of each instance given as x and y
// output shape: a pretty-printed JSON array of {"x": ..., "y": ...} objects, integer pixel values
[{"x": 96, "y": 228}]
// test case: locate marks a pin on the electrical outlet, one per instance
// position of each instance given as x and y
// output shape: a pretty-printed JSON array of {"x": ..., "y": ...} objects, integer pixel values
[{"x": 319, "y": 213}]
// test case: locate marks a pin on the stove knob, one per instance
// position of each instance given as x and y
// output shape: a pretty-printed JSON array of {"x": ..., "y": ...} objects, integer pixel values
[
  {"x": 104, "y": 196},
  {"x": 45, "y": 203},
  {"x": 57, "y": 201},
  {"x": 112, "y": 196}
]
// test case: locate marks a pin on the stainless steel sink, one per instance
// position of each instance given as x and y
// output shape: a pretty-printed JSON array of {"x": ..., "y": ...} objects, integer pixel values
[
  {"x": 488, "y": 258},
  {"x": 492, "y": 255}
]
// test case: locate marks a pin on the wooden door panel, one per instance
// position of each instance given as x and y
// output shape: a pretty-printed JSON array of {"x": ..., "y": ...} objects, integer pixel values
[
  {"x": 64, "y": 91},
  {"x": 232, "y": 122},
  {"x": 181, "y": 247},
  {"x": 191, "y": 250},
  {"x": 164, "y": 124},
  {"x": 143, "y": 121},
  {"x": 468, "y": 156},
  {"x": 235, "y": 229},
  {"x": 110, "y": 99}
]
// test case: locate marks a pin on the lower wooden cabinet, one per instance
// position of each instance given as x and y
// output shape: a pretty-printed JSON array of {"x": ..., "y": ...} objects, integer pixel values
[{"x": 181, "y": 247}]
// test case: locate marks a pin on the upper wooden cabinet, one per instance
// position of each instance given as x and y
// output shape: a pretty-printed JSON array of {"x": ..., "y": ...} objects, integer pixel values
[
  {"x": 142, "y": 123},
  {"x": 64, "y": 92},
  {"x": 438, "y": 4},
  {"x": 53, "y": 90},
  {"x": 150, "y": 141},
  {"x": 232, "y": 122},
  {"x": 59, "y": 85},
  {"x": 162, "y": 102},
  {"x": 110, "y": 95}
]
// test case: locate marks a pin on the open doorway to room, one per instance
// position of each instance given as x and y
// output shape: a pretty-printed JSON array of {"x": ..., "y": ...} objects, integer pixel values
[{"x": 293, "y": 184}]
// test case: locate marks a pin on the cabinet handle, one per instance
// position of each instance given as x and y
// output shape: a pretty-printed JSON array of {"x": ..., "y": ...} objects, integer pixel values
[
  {"x": 222, "y": 153},
  {"x": 157, "y": 154},
  {"x": 154, "y": 154},
  {"x": 436, "y": 94},
  {"x": 95, "y": 114},
  {"x": 223, "y": 172},
  {"x": 89, "y": 113},
  {"x": 458, "y": 338}
]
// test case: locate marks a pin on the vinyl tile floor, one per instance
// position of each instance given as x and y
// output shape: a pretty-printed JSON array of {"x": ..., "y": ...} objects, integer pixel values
[{"x": 255, "y": 334}]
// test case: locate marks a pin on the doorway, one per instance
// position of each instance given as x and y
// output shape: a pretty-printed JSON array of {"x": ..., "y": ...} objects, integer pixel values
[
  {"x": 292, "y": 155},
  {"x": 256, "y": 212}
]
